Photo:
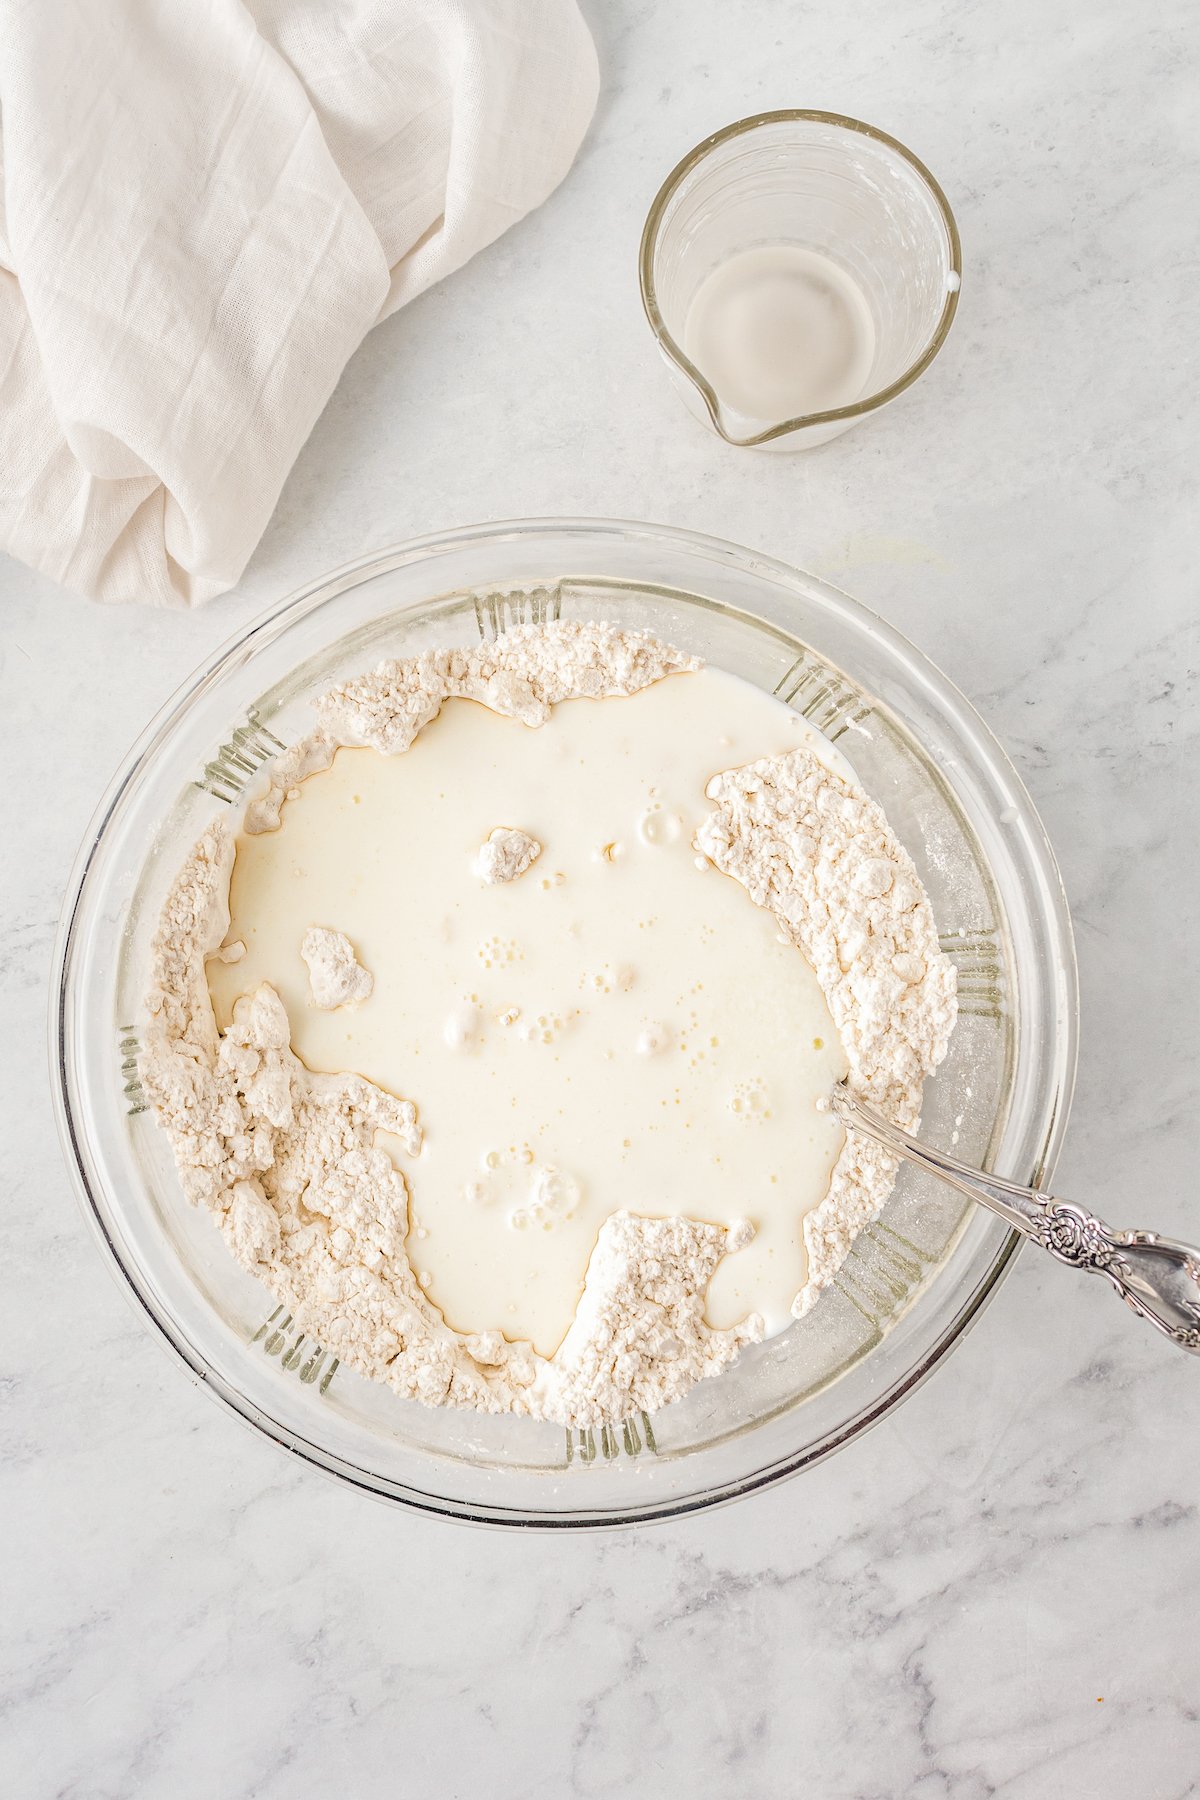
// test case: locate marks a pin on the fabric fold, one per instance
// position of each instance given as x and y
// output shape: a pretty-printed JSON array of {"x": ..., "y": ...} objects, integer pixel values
[{"x": 205, "y": 210}]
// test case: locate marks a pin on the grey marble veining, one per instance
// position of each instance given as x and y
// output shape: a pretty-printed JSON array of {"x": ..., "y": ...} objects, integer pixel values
[{"x": 993, "y": 1593}]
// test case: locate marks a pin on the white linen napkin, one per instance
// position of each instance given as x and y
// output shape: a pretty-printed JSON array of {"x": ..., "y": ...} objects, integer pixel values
[{"x": 205, "y": 207}]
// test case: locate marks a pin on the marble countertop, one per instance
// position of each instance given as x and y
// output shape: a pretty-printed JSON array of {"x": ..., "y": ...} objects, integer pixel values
[{"x": 995, "y": 1592}]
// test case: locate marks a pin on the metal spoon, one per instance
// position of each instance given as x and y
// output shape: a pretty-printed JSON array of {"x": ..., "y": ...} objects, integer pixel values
[{"x": 1157, "y": 1277}]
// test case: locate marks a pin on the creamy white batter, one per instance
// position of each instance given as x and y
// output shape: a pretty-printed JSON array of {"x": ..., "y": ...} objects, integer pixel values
[{"x": 617, "y": 1026}]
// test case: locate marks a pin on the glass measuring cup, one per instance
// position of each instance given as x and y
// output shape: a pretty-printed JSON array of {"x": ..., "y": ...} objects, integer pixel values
[{"x": 816, "y": 182}]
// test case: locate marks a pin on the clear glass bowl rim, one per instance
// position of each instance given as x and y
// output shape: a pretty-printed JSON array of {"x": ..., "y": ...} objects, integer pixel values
[
  {"x": 235, "y": 651},
  {"x": 675, "y": 353}
]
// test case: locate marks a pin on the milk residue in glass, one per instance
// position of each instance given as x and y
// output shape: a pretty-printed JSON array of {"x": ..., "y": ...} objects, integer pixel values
[{"x": 781, "y": 332}]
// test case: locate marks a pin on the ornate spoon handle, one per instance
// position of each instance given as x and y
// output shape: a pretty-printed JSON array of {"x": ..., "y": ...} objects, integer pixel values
[{"x": 1157, "y": 1277}]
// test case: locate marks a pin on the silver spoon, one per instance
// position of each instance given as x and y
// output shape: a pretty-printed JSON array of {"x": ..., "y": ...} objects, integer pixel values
[{"x": 1158, "y": 1277}]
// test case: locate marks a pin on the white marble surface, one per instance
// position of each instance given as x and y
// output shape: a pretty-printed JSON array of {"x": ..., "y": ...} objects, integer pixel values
[{"x": 996, "y": 1591}]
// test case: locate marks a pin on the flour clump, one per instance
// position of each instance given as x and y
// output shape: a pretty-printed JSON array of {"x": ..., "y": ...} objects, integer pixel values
[
  {"x": 507, "y": 854},
  {"x": 335, "y": 975}
]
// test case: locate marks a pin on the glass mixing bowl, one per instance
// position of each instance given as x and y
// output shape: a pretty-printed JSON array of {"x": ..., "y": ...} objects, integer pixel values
[{"x": 914, "y": 1280}]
